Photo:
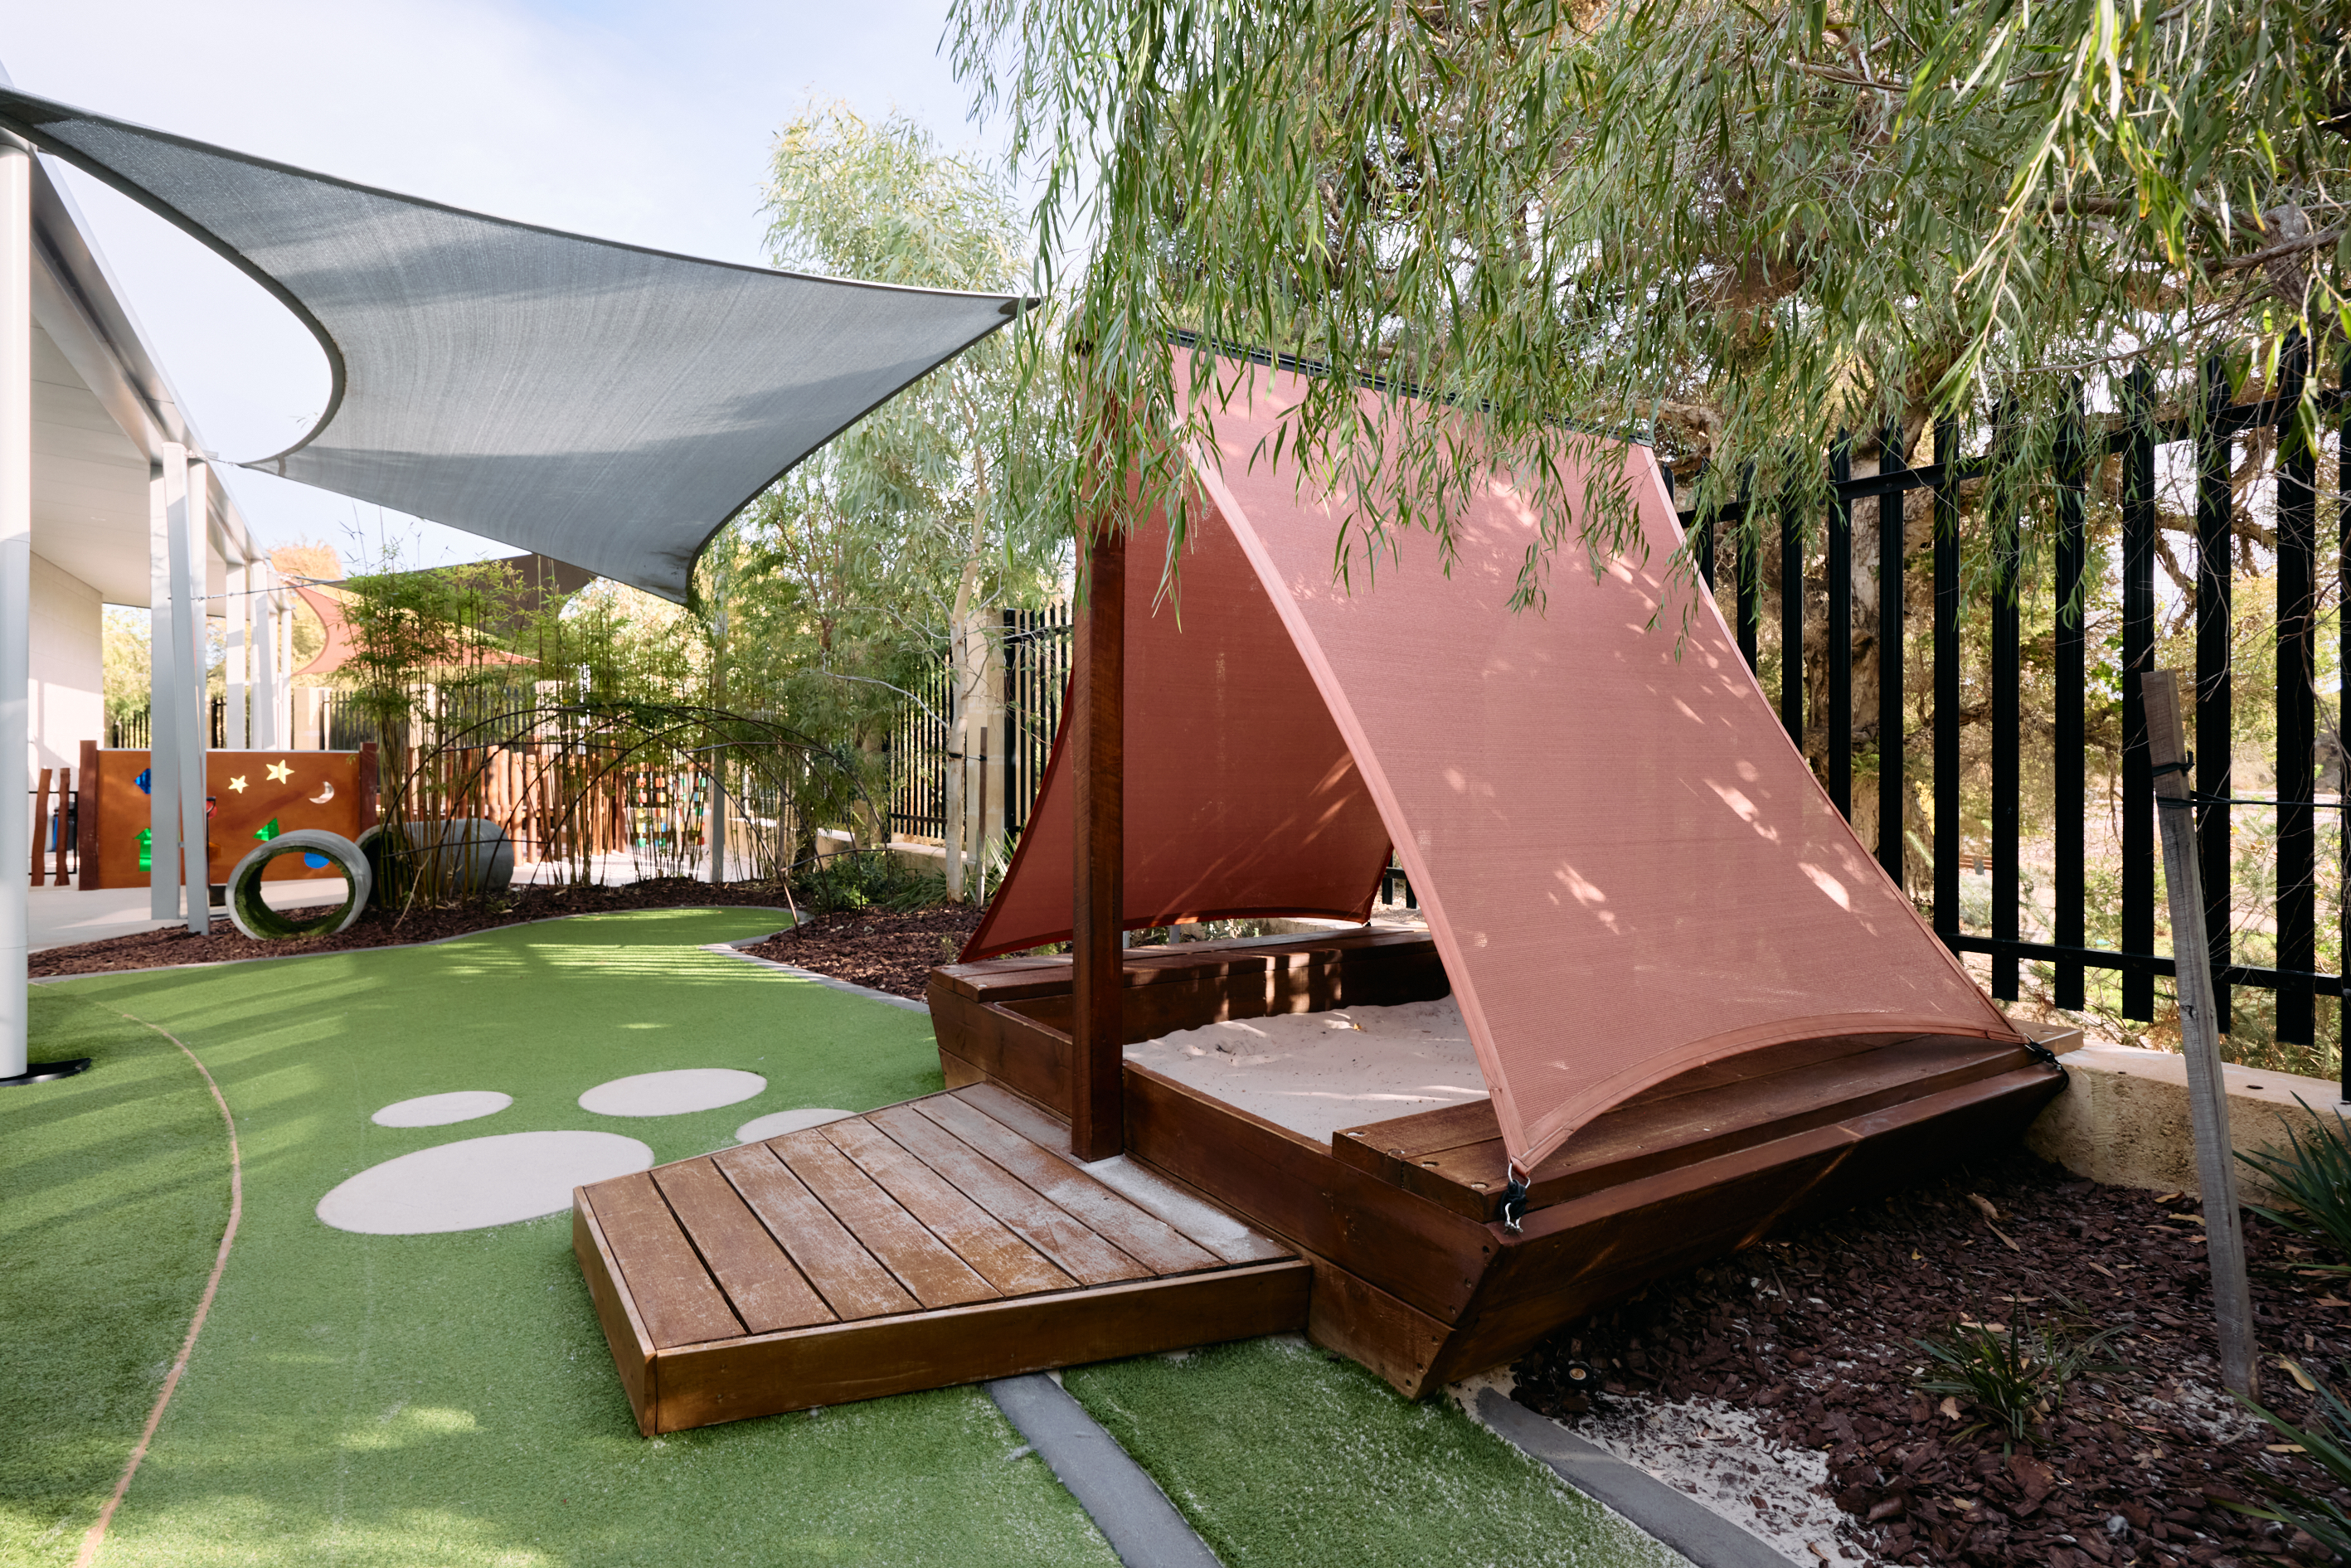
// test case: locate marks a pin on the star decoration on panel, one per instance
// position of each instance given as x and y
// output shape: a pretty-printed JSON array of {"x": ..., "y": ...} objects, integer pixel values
[
  {"x": 238, "y": 784},
  {"x": 279, "y": 773}
]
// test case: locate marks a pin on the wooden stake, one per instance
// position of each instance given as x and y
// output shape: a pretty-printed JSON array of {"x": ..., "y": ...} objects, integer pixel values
[
  {"x": 2208, "y": 1097},
  {"x": 41, "y": 825},
  {"x": 1098, "y": 733}
]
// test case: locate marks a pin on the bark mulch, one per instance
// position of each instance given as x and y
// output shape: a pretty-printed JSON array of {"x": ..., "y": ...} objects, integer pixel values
[
  {"x": 1815, "y": 1336},
  {"x": 876, "y": 947},
  {"x": 176, "y": 945}
]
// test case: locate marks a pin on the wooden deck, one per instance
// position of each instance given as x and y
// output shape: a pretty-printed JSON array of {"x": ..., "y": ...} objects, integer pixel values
[
  {"x": 1414, "y": 1275},
  {"x": 940, "y": 1242}
]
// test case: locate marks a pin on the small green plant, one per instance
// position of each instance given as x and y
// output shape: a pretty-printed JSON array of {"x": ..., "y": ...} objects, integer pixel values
[
  {"x": 2013, "y": 1374},
  {"x": 2327, "y": 1445},
  {"x": 869, "y": 879},
  {"x": 2314, "y": 1179}
]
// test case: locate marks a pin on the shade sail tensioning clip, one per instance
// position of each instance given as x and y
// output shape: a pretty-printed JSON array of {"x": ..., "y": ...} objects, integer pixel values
[
  {"x": 1514, "y": 1201},
  {"x": 2048, "y": 1058}
]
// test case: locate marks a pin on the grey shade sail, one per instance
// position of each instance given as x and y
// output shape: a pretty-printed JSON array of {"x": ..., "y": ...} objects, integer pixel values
[{"x": 603, "y": 404}]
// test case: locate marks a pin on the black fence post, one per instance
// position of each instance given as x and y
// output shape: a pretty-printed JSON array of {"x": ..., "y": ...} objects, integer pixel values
[
  {"x": 2138, "y": 655},
  {"x": 1750, "y": 590},
  {"x": 1890, "y": 585},
  {"x": 2215, "y": 698},
  {"x": 1840, "y": 630},
  {"x": 2007, "y": 682},
  {"x": 2297, "y": 720},
  {"x": 1791, "y": 624},
  {"x": 2343, "y": 694},
  {"x": 2069, "y": 771},
  {"x": 1947, "y": 835}
]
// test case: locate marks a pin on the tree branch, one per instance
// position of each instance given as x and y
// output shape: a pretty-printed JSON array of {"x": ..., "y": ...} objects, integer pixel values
[{"x": 2288, "y": 248}]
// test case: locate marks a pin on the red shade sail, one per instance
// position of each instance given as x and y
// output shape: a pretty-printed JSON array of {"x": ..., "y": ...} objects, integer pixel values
[
  {"x": 1627, "y": 867},
  {"x": 1242, "y": 801}
]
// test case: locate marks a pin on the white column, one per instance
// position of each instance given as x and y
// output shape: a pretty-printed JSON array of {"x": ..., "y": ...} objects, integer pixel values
[
  {"x": 265, "y": 661},
  {"x": 237, "y": 611},
  {"x": 167, "y": 490},
  {"x": 191, "y": 554},
  {"x": 15, "y": 591}
]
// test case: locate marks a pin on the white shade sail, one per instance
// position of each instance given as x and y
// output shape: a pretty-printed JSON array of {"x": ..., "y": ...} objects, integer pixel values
[{"x": 603, "y": 404}]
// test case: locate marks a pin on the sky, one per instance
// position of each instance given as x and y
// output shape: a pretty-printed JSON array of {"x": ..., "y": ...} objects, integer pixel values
[{"x": 628, "y": 120}]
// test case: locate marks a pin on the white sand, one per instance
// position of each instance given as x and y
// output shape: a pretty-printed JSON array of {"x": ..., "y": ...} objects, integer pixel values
[
  {"x": 1718, "y": 1454},
  {"x": 775, "y": 1123},
  {"x": 440, "y": 1110},
  {"x": 672, "y": 1094},
  {"x": 1315, "y": 1073},
  {"x": 478, "y": 1182}
]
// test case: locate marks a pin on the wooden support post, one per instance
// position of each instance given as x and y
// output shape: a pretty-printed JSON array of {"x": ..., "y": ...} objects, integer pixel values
[
  {"x": 65, "y": 821},
  {"x": 2208, "y": 1099},
  {"x": 1098, "y": 733},
  {"x": 41, "y": 823}
]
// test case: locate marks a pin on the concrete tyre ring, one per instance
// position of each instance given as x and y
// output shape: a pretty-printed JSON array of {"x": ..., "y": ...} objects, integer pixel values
[{"x": 262, "y": 924}]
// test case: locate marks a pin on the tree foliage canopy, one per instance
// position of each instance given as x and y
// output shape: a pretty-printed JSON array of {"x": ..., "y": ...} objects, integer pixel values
[{"x": 1737, "y": 228}]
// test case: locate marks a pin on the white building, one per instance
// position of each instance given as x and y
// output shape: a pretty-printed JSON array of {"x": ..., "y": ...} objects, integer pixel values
[{"x": 123, "y": 510}]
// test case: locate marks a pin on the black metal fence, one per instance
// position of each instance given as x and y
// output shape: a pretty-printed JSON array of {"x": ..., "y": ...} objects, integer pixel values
[
  {"x": 918, "y": 758},
  {"x": 1036, "y": 676},
  {"x": 133, "y": 730},
  {"x": 1034, "y": 655},
  {"x": 2226, "y": 551}
]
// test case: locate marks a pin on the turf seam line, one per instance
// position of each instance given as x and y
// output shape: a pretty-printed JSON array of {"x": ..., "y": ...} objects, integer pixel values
[
  {"x": 1658, "y": 1510},
  {"x": 734, "y": 950},
  {"x": 96, "y": 1537},
  {"x": 1127, "y": 1505},
  {"x": 392, "y": 947}
]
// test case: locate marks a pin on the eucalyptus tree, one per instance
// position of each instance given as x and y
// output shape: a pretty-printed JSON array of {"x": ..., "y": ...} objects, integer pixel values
[
  {"x": 1738, "y": 227},
  {"x": 899, "y": 537}
]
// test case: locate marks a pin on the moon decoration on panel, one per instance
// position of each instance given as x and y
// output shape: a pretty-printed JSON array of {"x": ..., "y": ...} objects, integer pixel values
[{"x": 326, "y": 793}]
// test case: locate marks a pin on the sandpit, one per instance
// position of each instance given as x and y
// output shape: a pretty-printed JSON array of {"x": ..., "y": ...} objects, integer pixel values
[{"x": 1315, "y": 1073}]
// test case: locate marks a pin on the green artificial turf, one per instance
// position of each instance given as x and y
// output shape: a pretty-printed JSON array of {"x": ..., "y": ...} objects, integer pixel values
[
  {"x": 1282, "y": 1454},
  {"x": 435, "y": 1399},
  {"x": 449, "y": 1399},
  {"x": 113, "y": 1191}
]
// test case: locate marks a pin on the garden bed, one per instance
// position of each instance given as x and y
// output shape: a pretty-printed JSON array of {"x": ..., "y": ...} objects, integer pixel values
[
  {"x": 887, "y": 950},
  {"x": 177, "y": 945},
  {"x": 1811, "y": 1344}
]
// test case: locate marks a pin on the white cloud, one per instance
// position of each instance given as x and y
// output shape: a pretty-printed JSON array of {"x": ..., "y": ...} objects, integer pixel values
[{"x": 636, "y": 122}]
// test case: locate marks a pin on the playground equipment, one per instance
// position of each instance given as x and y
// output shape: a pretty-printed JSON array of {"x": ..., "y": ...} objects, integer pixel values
[{"x": 1700, "y": 1010}]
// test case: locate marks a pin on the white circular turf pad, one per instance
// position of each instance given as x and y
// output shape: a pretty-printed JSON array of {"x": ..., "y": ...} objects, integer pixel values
[
  {"x": 775, "y": 1123},
  {"x": 672, "y": 1094},
  {"x": 440, "y": 1110},
  {"x": 479, "y": 1182}
]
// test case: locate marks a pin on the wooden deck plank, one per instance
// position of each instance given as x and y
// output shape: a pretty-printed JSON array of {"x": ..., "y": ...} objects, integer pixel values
[
  {"x": 633, "y": 1355},
  {"x": 1072, "y": 1246},
  {"x": 767, "y": 1293},
  {"x": 1040, "y": 1126},
  {"x": 1171, "y": 1202},
  {"x": 833, "y": 1364},
  {"x": 1140, "y": 1234},
  {"x": 1194, "y": 1216},
  {"x": 844, "y": 1273},
  {"x": 675, "y": 1294},
  {"x": 978, "y": 1237},
  {"x": 929, "y": 1270}
]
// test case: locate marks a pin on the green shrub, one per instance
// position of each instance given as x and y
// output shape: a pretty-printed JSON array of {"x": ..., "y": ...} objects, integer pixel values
[
  {"x": 2314, "y": 1179},
  {"x": 2328, "y": 1446},
  {"x": 2013, "y": 1374},
  {"x": 868, "y": 879}
]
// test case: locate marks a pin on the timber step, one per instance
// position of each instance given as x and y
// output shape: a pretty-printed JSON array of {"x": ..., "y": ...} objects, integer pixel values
[
  {"x": 1454, "y": 1155},
  {"x": 943, "y": 1240}
]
